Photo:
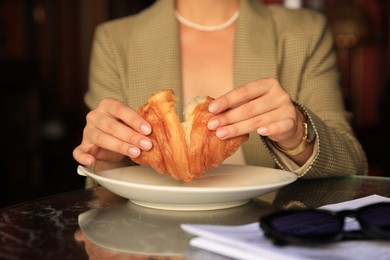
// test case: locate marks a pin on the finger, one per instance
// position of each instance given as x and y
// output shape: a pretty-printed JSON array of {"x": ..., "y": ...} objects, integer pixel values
[
  {"x": 119, "y": 130},
  {"x": 263, "y": 124},
  {"x": 130, "y": 117},
  {"x": 237, "y": 129},
  {"x": 239, "y": 96},
  {"x": 252, "y": 109},
  {"x": 82, "y": 157},
  {"x": 108, "y": 142},
  {"x": 280, "y": 130}
]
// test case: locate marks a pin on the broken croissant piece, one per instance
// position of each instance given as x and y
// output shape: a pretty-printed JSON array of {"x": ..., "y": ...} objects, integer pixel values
[{"x": 183, "y": 150}]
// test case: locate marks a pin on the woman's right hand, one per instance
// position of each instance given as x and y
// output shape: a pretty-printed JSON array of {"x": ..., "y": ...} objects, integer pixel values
[{"x": 112, "y": 132}]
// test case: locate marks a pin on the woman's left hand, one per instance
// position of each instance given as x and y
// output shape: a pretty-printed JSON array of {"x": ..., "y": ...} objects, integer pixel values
[{"x": 262, "y": 106}]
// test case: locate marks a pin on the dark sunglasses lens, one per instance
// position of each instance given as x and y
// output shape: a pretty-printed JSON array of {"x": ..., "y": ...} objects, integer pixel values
[
  {"x": 307, "y": 225},
  {"x": 377, "y": 216}
]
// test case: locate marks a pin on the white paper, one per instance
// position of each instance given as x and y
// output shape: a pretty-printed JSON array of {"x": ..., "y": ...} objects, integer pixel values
[{"x": 247, "y": 242}]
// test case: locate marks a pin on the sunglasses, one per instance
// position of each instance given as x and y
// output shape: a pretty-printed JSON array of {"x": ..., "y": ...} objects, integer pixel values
[{"x": 317, "y": 226}]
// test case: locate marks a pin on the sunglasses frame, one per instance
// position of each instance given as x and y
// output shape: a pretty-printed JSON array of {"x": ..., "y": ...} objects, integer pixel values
[{"x": 367, "y": 231}]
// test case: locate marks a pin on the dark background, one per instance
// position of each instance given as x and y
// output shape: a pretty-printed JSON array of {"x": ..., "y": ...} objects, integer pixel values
[{"x": 44, "y": 56}]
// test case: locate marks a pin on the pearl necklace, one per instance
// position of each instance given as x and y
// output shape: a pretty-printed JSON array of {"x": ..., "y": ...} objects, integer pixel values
[{"x": 205, "y": 28}]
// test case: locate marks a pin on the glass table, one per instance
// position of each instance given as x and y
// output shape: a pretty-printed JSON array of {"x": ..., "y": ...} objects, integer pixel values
[{"x": 94, "y": 223}]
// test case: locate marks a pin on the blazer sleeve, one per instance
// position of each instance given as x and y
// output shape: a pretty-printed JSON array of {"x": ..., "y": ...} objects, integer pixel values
[
  {"x": 316, "y": 88},
  {"x": 104, "y": 68}
]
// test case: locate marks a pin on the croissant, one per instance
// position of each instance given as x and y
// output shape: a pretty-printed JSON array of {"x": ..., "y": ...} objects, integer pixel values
[{"x": 183, "y": 150}]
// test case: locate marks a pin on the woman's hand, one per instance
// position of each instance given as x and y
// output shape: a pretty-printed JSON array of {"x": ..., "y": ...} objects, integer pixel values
[
  {"x": 113, "y": 131},
  {"x": 262, "y": 106}
]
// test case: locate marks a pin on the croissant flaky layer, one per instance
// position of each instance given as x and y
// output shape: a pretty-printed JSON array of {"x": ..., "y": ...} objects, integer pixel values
[{"x": 183, "y": 150}]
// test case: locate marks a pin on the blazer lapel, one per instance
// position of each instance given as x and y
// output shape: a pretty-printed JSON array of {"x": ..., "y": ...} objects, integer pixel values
[
  {"x": 255, "y": 57},
  {"x": 161, "y": 40},
  {"x": 255, "y": 47}
]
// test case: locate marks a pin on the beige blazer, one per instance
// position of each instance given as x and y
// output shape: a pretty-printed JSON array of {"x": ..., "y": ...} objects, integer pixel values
[{"x": 138, "y": 55}]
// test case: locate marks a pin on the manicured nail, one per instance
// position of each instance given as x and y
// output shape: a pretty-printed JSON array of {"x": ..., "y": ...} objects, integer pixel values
[
  {"x": 89, "y": 162},
  {"x": 221, "y": 133},
  {"x": 145, "y": 128},
  {"x": 213, "y": 124},
  {"x": 262, "y": 131},
  {"x": 213, "y": 107},
  {"x": 145, "y": 144},
  {"x": 134, "y": 152}
]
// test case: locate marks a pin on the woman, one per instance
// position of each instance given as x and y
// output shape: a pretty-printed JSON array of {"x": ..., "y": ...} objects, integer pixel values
[{"x": 272, "y": 71}]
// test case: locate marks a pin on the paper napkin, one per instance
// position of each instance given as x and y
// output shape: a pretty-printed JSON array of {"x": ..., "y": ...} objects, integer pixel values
[{"x": 247, "y": 242}]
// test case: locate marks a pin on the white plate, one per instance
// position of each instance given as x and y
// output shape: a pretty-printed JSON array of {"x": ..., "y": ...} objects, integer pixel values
[{"x": 223, "y": 187}]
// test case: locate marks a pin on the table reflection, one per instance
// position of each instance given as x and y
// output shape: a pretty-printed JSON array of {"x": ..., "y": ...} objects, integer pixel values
[
  {"x": 316, "y": 193},
  {"x": 96, "y": 224},
  {"x": 135, "y": 229},
  {"x": 94, "y": 251}
]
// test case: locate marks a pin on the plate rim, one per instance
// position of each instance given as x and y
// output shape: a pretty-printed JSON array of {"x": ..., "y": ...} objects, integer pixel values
[{"x": 293, "y": 177}]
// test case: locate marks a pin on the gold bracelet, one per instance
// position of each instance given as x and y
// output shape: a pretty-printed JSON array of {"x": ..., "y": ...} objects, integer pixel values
[{"x": 297, "y": 150}]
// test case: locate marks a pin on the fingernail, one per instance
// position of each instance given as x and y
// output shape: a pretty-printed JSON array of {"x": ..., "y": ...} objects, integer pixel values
[
  {"x": 134, "y": 151},
  {"x": 262, "y": 131},
  {"x": 213, "y": 107},
  {"x": 221, "y": 133},
  {"x": 89, "y": 162},
  {"x": 145, "y": 128},
  {"x": 145, "y": 144},
  {"x": 213, "y": 124}
]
